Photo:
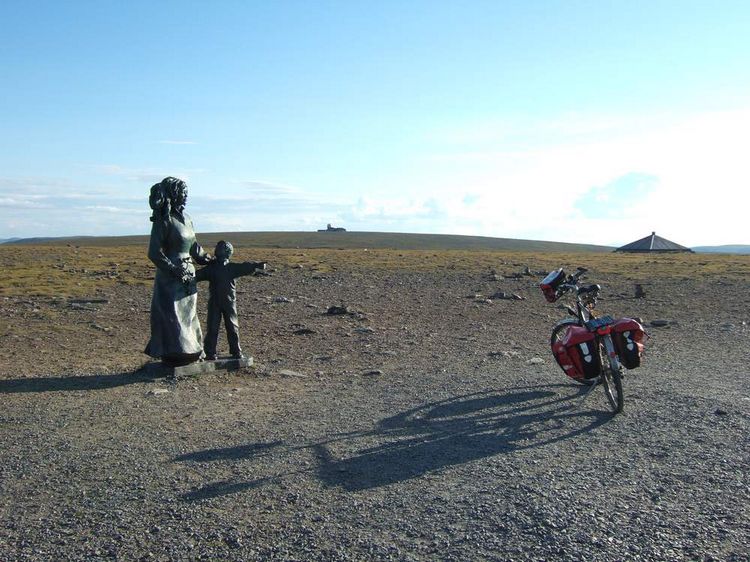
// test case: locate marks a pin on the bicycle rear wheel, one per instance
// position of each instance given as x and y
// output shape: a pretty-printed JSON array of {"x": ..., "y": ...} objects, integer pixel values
[
  {"x": 611, "y": 376},
  {"x": 558, "y": 333}
]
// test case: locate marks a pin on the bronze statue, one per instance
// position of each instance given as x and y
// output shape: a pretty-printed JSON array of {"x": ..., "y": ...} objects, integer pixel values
[
  {"x": 222, "y": 300},
  {"x": 175, "y": 330}
]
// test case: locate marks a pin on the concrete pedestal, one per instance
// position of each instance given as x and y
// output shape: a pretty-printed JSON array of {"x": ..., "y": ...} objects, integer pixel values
[{"x": 159, "y": 369}]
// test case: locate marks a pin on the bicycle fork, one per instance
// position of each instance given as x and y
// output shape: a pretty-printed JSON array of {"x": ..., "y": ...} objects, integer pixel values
[
  {"x": 611, "y": 357},
  {"x": 609, "y": 347}
]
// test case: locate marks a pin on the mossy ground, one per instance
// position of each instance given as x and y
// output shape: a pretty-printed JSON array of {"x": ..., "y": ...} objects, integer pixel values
[{"x": 75, "y": 271}]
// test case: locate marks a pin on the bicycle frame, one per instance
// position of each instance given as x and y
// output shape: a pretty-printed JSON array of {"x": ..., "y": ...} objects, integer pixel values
[{"x": 611, "y": 368}]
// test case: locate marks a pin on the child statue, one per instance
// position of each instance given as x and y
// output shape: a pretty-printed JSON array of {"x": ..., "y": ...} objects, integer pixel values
[{"x": 222, "y": 300}]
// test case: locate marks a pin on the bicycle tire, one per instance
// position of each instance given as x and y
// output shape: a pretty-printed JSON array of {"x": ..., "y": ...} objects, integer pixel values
[
  {"x": 611, "y": 379},
  {"x": 558, "y": 332}
]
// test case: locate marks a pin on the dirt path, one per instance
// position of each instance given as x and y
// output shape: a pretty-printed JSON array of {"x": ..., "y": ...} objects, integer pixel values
[{"x": 420, "y": 427}]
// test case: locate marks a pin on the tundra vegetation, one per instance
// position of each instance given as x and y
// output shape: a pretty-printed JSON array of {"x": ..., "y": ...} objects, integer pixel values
[{"x": 428, "y": 420}]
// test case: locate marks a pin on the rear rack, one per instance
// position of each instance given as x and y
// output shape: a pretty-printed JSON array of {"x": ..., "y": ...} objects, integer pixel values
[{"x": 596, "y": 323}]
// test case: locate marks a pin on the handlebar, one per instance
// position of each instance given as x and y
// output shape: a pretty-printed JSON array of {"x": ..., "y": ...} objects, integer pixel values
[
  {"x": 556, "y": 283},
  {"x": 572, "y": 281}
]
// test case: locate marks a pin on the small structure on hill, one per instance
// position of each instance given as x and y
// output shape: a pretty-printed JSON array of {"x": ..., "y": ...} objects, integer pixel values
[
  {"x": 332, "y": 229},
  {"x": 653, "y": 243}
]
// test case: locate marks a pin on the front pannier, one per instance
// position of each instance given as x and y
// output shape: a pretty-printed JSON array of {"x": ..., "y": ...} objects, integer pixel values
[
  {"x": 628, "y": 336},
  {"x": 564, "y": 360},
  {"x": 577, "y": 354}
]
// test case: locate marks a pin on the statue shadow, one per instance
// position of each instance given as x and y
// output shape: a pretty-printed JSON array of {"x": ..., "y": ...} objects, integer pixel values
[
  {"x": 75, "y": 382},
  {"x": 427, "y": 438}
]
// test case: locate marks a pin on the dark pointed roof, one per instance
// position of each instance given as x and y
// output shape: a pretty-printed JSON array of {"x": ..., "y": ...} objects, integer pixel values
[{"x": 653, "y": 243}]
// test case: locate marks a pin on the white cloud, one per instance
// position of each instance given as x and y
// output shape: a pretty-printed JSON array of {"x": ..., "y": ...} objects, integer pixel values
[
  {"x": 59, "y": 207},
  {"x": 112, "y": 209},
  {"x": 264, "y": 205},
  {"x": 396, "y": 209},
  {"x": 618, "y": 198},
  {"x": 698, "y": 195},
  {"x": 148, "y": 175},
  {"x": 558, "y": 180}
]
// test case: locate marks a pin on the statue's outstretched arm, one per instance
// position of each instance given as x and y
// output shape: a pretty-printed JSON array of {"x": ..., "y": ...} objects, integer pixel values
[{"x": 246, "y": 268}]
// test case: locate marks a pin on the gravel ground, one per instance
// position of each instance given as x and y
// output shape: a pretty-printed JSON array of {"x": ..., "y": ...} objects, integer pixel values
[{"x": 427, "y": 424}]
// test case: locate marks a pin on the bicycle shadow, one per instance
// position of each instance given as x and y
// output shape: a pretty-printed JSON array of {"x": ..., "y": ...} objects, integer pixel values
[
  {"x": 422, "y": 440},
  {"x": 453, "y": 432},
  {"x": 225, "y": 488},
  {"x": 230, "y": 453}
]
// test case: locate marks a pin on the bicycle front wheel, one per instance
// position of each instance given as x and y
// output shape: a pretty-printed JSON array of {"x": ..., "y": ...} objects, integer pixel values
[
  {"x": 611, "y": 375},
  {"x": 560, "y": 329}
]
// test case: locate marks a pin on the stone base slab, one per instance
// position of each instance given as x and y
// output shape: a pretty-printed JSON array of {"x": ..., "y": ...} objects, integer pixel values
[{"x": 159, "y": 369}]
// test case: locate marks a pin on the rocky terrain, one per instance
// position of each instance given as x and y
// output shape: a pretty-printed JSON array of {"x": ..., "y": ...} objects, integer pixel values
[{"x": 429, "y": 421}]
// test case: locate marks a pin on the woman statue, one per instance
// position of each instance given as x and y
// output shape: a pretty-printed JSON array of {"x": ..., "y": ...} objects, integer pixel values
[{"x": 176, "y": 335}]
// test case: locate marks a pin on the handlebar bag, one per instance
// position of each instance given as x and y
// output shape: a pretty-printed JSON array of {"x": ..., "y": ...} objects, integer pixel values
[
  {"x": 550, "y": 284},
  {"x": 577, "y": 354},
  {"x": 628, "y": 336}
]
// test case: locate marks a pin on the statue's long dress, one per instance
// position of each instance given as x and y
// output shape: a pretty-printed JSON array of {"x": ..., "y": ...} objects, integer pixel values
[{"x": 176, "y": 335}]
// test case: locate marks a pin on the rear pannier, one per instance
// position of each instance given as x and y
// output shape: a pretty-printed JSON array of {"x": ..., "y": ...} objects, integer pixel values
[
  {"x": 577, "y": 354},
  {"x": 628, "y": 336}
]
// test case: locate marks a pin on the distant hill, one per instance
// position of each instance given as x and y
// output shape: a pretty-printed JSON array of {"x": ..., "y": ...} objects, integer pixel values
[
  {"x": 342, "y": 240},
  {"x": 726, "y": 249},
  {"x": 8, "y": 240}
]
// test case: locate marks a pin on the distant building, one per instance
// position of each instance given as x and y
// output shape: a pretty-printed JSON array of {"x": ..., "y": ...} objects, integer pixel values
[
  {"x": 653, "y": 243},
  {"x": 332, "y": 229}
]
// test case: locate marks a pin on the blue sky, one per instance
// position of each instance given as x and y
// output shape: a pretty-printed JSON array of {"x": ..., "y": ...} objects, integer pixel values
[{"x": 572, "y": 121}]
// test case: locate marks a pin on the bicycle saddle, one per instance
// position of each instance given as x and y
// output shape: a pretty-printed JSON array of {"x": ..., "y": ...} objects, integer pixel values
[{"x": 589, "y": 289}]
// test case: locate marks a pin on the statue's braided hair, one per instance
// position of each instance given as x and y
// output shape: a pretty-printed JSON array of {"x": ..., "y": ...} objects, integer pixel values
[{"x": 163, "y": 195}]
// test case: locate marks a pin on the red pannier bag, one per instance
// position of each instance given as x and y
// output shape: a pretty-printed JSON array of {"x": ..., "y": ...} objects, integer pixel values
[
  {"x": 550, "y": 284},
  {"x": 577, "y": 353},
  {"x": 628, "y": 336}
]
